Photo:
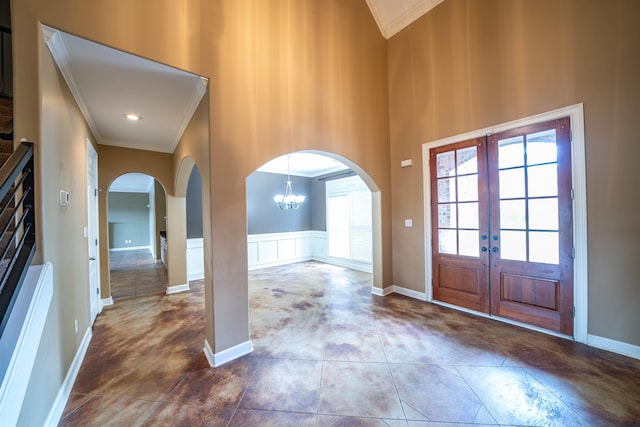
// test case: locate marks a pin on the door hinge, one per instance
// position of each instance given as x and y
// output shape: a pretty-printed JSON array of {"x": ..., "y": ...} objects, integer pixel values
[
  {"x": 570, "y": 135},
  {"x": 574, "y": 311},
  {"x": 95, "y": 192},
  {"x": 97, "y": 291},
  {"x": 573, "y": 194},
  {"x": 573, "y": 253},
  {"x": 96, "y": 242}
]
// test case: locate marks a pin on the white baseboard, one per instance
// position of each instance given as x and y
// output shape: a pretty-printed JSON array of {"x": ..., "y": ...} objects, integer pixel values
[
  {"x": 619, "y": 347},
  {"x": 410, "y": 293},
  {"x": 177, "y": 288},
  {"x": 132, "y": 248},
  {"x": 224, "y": 356},
  {"x": 105, "y": 302},
  {"x": 399, "y": 290},
  {"x": 366, "y": 267},
  {"x": 199, "y": 275},
  {"x": 382, "y": 292},
  {"x": 65, "y": 390},
  {"x": 277, "y": 263}
]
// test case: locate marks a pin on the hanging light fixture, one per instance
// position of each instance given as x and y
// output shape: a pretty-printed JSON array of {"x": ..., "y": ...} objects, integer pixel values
[{"x": 288, "y": 200}]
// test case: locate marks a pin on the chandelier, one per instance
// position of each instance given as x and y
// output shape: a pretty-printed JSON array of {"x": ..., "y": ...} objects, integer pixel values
[{"x": 288, "y": 200}]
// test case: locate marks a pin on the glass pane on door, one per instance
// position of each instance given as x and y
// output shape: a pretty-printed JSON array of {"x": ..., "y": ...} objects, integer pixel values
[
  {"x": 513, "y": 245},
  {"x": 511, "y": 152},
  {"x": 544, "y": 247},
  {"x": 543, "y": 180},
  {"x": 446, "y": 164},
  {"x": 541, "y": 147},
  {"x": 457, "y": 198},
  {"x": 528, "y": 198}
]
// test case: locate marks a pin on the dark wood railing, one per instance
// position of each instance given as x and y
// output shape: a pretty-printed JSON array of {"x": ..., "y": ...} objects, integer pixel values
[
  {"x": 17, "y": 226},
  {"x": 6, "y": 65}
]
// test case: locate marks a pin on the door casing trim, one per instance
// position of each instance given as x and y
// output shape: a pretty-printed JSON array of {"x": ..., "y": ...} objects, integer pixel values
[{"x": 579, "y": 184}]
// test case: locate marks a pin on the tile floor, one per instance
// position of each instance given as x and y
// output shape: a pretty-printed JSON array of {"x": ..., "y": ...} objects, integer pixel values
[
  {"x": 135, "y": 273},
  {"x": 328, "y": 353}
]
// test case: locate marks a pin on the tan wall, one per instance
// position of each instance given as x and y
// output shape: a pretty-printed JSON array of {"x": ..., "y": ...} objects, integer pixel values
[
  {"x": 470, "y": 64},
  {"x": 285, "y": 75},
  {"x": 61, "y": 156},
  {"x": 193, "y": 151},
  {"x": 290, "y": 75},
  {"x": 112, "y": 163}
]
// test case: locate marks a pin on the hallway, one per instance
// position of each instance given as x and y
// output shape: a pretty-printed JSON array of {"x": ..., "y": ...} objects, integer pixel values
[
  {"x": 329, "y": 353},
  {"x": 136, "y": 273}
]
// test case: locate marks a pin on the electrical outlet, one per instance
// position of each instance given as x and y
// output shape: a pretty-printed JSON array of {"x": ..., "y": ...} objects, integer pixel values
[{"x": 75, "y": 326}]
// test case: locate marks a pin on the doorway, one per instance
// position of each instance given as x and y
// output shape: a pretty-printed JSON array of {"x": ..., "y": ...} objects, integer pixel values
[
  {"x": 92, "y": 232},
  {"x": 502, "y": 225},
  {"x": 337, "y": 221},
  {"x": 503, "y": 301},
  {"x": 136, "y": 208}
]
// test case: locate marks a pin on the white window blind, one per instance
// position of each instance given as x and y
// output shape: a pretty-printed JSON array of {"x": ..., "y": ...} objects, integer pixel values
[{"x": 349, "y": 223}]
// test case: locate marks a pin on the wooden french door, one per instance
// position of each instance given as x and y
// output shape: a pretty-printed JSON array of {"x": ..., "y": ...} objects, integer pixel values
[{"x": 502, "y": 225}]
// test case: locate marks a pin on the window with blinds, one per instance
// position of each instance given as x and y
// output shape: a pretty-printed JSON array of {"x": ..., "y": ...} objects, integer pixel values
[{"x": 349, "y": 223}]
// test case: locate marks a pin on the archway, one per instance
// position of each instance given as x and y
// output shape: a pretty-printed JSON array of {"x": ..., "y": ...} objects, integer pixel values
[
  {"x": 136, "y": 218},
  {"x": 311, "y": 171},
  {"x": 194, "y": 224},
  {"x": 294, "y": 278}
]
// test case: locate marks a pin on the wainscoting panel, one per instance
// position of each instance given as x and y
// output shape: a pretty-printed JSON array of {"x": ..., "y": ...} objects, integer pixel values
[
  {"x": 195, "y": 259},
  {"x": 269, "y": 250}
]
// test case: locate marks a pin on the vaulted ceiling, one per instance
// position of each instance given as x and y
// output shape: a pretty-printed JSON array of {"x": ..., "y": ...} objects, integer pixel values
[{"x": 393, "y": 15}]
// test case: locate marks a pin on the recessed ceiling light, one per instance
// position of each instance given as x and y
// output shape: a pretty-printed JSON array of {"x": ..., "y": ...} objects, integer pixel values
[{"x": 133, "y": 117}]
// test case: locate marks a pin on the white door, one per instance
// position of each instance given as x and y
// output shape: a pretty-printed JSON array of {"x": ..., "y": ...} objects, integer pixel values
[{"x": 92, "y": 231}]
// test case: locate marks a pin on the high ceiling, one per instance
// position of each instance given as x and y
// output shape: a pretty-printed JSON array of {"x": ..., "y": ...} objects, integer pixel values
[
  {"x": 393, "y": 15},
  {"x": 108, "y": 84}
]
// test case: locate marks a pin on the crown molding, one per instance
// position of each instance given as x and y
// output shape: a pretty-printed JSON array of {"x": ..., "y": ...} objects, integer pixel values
[
  {"x": 159, "y": 148},
  {"x": 194, "y": 101},
  {"x": 56, "y": 46},
  {"x": 395, "y": 25}
]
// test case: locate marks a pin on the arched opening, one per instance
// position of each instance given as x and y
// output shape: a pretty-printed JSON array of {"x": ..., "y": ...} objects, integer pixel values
[
  {"x": 195, "y": 238},
  {"x": 189, "y": 190},
  {"x": 310, "y": 263},
  {"x": 136, "y": 212},
  {"x": 338, "y": 206}
]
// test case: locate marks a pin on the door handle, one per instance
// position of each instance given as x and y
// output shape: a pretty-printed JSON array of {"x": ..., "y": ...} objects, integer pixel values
[
  {"x": 494, "y": 249},
  {"x": 92, "y": 258}
]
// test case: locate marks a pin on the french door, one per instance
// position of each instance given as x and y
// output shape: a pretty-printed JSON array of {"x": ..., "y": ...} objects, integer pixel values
[{"x": 502, "y": 225}]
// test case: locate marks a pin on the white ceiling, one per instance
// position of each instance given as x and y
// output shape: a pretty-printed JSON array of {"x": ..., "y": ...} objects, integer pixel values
[
  {"x": 108, "y": 83},
  {"x": 132, "y": 183},
  {"x": 394, "y": 15},
  {"x": 303, "y": 164}
]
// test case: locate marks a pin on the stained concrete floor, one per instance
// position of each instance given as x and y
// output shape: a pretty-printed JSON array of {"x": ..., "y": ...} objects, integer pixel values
[{"x": 329, "y": 353}]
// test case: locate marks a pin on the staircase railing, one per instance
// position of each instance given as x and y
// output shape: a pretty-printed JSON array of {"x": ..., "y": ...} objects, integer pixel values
[
  {"x": 17, "y": 225},
  {"x": 6, "y": 83}
]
